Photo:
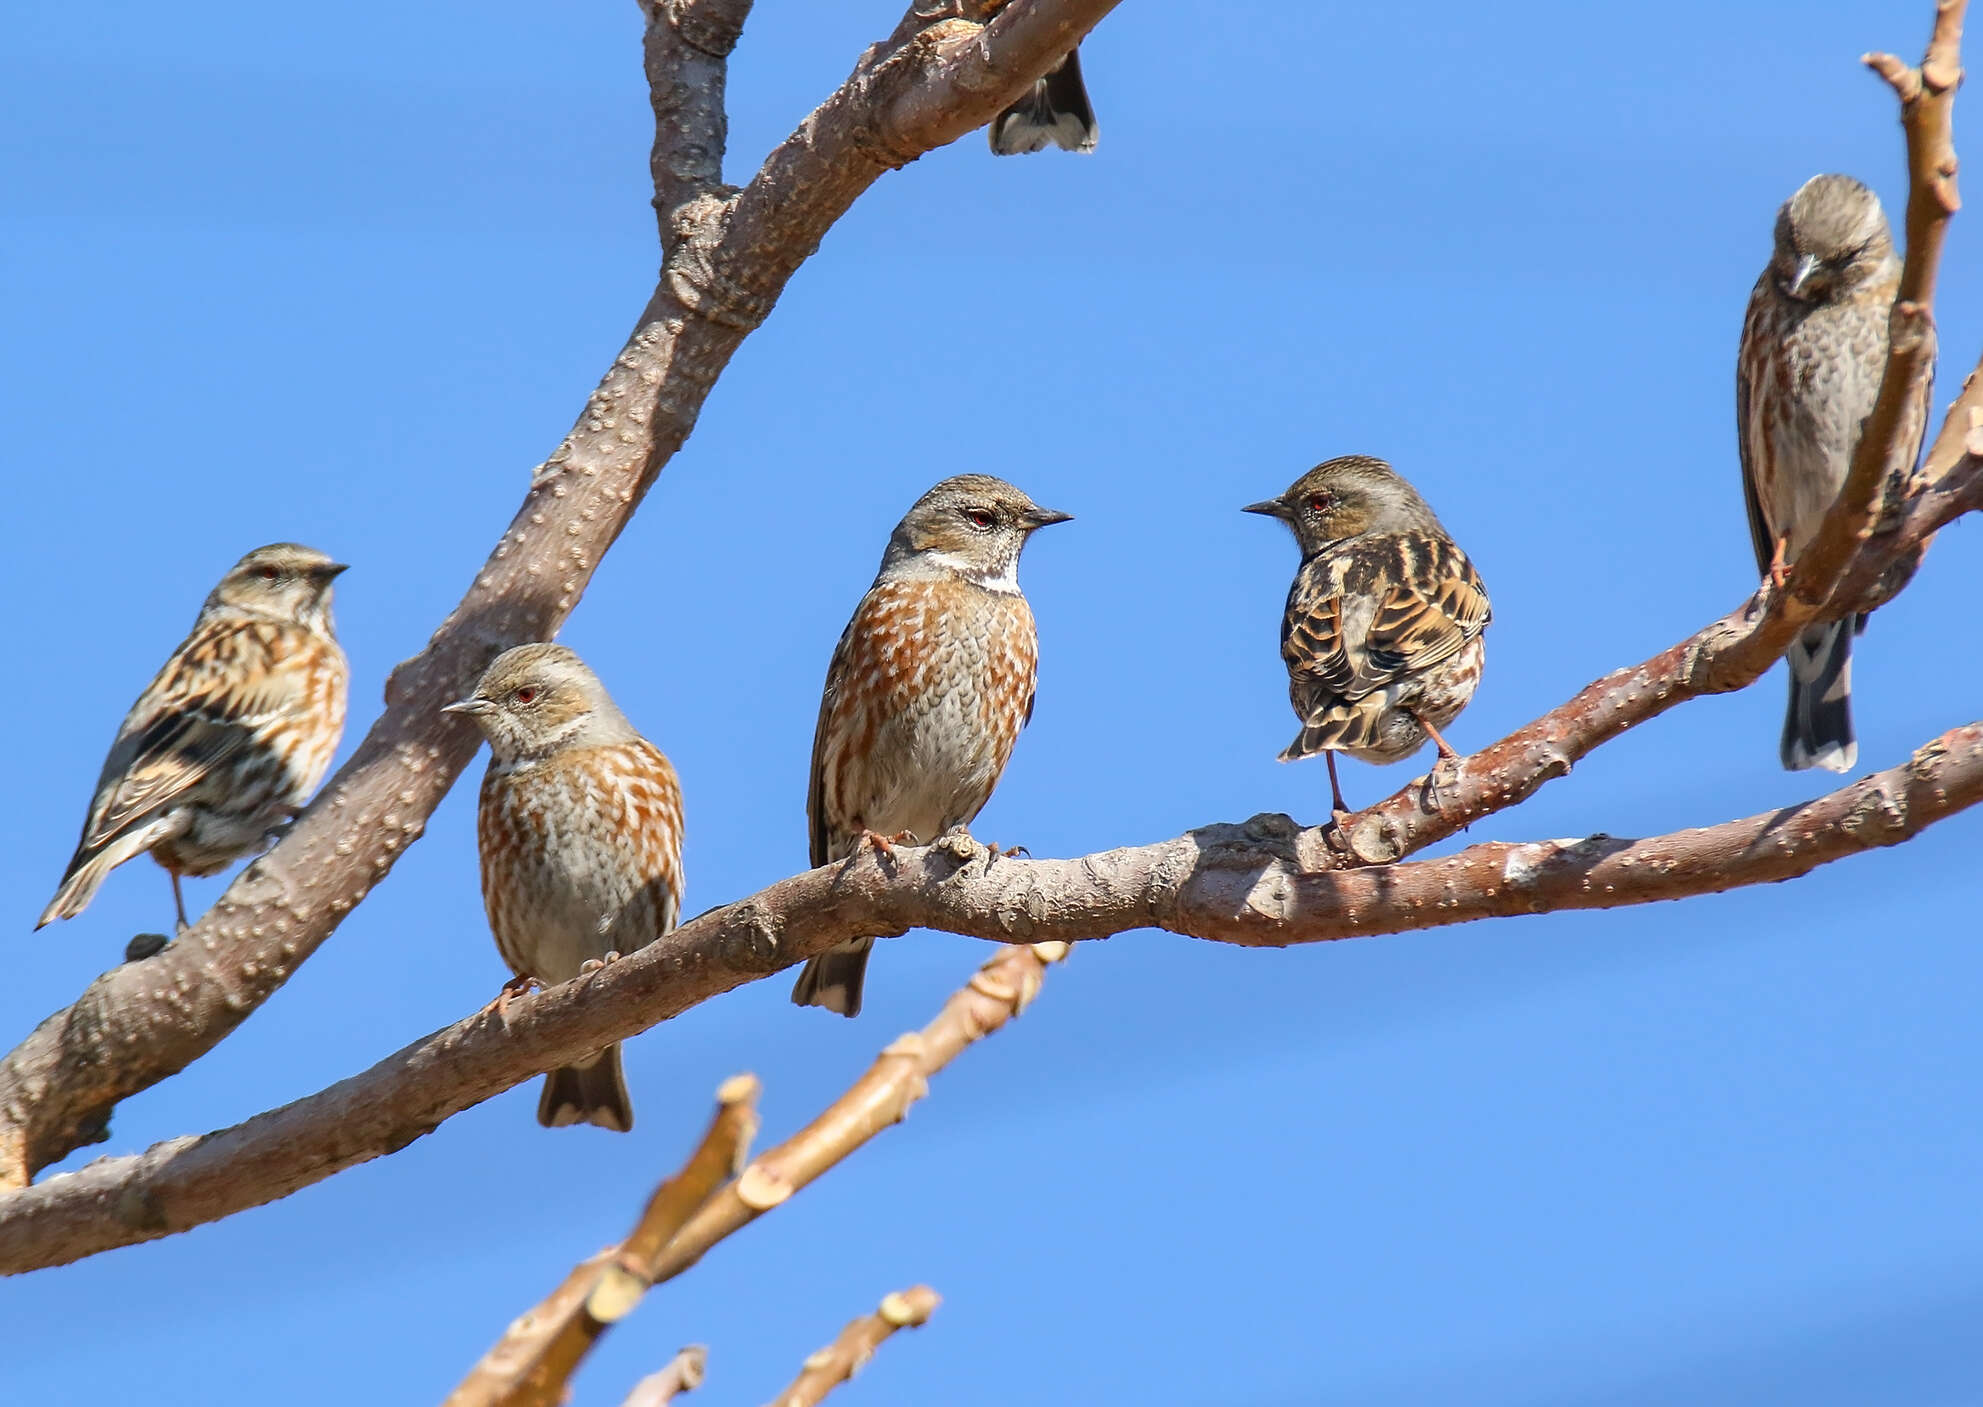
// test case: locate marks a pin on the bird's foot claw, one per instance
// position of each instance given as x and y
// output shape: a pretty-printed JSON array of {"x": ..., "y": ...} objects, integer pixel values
[
  {"x": 884, "y": 844},
  {"x": 592, "y": 965},
  {"x": 509, "y": 992}
]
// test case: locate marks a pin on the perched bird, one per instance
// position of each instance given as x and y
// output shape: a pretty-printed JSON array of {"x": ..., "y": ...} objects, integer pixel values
[
  {"x": 927, "y": 691},
  {"x": 580, "y": 829},
  {"x": 230, "y": 738},
  {"x": 1814, "y": 346},
  {"x": 1054, "y": 111},
  {"x": 1382, "y": 635}
]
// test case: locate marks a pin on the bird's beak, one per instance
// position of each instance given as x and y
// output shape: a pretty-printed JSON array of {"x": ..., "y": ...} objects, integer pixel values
[
  {"x": 1047, "y": 517},
  {"x": 1806, "y": 266},
  {"x": 474, "y": 708},
  {"x": 331, "y": 571},
  {"x": 1268, "y": 507}
]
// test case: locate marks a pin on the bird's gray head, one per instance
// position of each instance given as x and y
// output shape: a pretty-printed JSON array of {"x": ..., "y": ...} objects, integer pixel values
[
  {"x": 1348, "y": 497},
  {"x": 284, "y": 581},
  {"x": 1831, "y": 237},
  {"x": 971, "y": 526},
  {"x": 537, "y": 699}
]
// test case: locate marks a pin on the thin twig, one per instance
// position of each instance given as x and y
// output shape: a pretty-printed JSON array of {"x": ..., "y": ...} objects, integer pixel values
[
  {"x": 845, "y": 1356},
  {"x": 684, "y": 1373},
  {"x": 534, "y": 1360},
  {"x": 999, "y": 991}
]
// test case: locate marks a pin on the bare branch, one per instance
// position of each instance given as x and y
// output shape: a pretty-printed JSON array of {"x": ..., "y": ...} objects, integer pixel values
[
  {"x": 533, "y": 1362},
  {"x": 684, "y": 1373},
  {"x": 184, "y": 1182},
  {"x": 728, "y": 259},
  {"x": 1003, "y": 988},
  {"x": 685, "y": 53},
  {"x": 1267, "y": 883},
  {"x": 845, "y": 1356}
]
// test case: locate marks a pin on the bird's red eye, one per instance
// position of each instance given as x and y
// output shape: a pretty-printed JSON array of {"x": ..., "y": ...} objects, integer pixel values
[
  {"x": 1322, "y": 502},
  {"x": 980, "y": 518},
  {"x": 269, "y": 573},
  {"x": 526, "y": 695}
]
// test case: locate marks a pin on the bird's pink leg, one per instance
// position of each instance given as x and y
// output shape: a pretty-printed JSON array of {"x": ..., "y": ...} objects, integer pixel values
[
  {"x": 1340, "y": 806},
  {"x": 178, "y": 901},
  {"x": 1779, "y": 573},
  {"x": 1445, "y": 751}
]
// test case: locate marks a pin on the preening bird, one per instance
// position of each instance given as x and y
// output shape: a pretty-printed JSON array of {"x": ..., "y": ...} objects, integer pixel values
[{"x": 1813, "y": 350}]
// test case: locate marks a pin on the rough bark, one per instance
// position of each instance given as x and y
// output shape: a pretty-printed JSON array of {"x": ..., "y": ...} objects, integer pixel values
[{"x": 1266, "y": 883}]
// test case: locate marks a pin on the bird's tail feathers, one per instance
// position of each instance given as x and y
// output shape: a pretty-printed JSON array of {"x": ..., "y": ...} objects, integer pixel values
[
  {"x": 91, "y": 864},
  {"x": 1054, "y": 112},
  {"x": 592, "y": 1093},
  {"x": 1817, "y": 728},
  {"x": 1338, "y": 729},
  {"x": 834, "y": 978}
]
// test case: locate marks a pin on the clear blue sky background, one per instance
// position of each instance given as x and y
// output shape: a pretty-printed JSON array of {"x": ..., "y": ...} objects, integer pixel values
[{"x": 280, "y": 272}]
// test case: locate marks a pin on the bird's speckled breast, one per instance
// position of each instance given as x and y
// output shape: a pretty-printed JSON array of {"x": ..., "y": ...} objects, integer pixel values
[
  {"x": 581, "y": 855},
  {"x": 935, "y": 683}
]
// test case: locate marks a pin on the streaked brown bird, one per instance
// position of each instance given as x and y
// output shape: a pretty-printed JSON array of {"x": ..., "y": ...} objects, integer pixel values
[
  {"x": 1054, "y": 112},
  {"x": 229, "y": 739},
  {"x": 926, "y": 694},
  {"x": 1383, "y": 631},
  {"x": 1814, "y": 347},
  {"x": 580, "y": 829}
]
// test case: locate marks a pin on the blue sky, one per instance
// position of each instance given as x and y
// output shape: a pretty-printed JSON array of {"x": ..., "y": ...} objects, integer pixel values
[{"x": 273, "y": 273}]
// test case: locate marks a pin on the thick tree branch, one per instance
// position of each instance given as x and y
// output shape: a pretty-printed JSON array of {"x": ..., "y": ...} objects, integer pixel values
[
  {"x": 1267, "y": 883},
  {"x": 728, "y": 258},
  {"x": 846, "y": 1355},
  {"x": 532, "y": 1364}
]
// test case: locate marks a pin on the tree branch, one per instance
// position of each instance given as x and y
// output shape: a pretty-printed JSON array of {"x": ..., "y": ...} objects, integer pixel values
[
  {"x": 531, "y": 1365},
  {"x": 845, "y": 1356},
  {"x": 684, "y": 1373},
  {"x": 728, "y": 258},
  {"x": 1267, "y": 883}
]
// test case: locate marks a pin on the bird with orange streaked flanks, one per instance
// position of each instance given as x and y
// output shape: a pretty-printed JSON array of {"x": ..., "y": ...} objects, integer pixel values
[
  {"x": 580, "y": 833},
  {"x": 927, "y": 691}
]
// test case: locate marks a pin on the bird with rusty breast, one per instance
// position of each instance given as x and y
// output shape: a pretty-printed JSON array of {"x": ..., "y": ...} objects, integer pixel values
[
  {"x": 927, "y": 691},
  {"x": 1383, "y": 631},
  {"x": 229, "y": 739},
  {"x": 580, "y": 832},
  {"x": 1807, "y": 372}
]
